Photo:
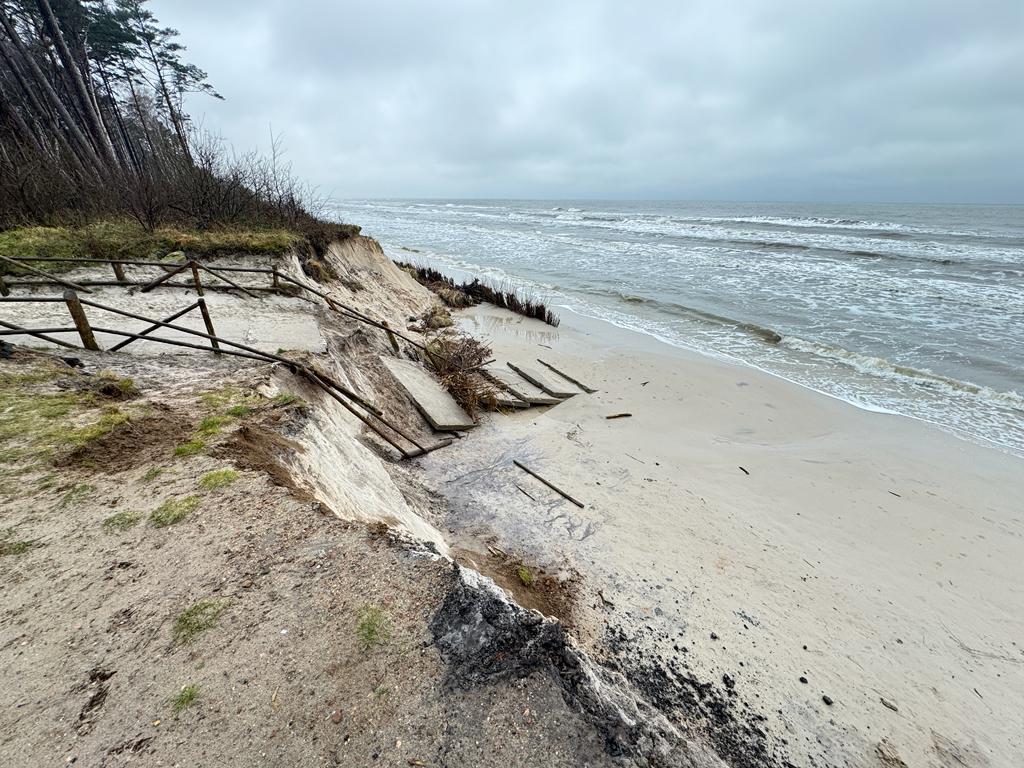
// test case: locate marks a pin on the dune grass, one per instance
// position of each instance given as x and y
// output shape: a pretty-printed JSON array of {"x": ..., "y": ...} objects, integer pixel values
[
  {"x": 121, "y": 521},
  {"x": 371, "y": 627},
  {"x": 173, "y": 511},
  {"x": 185, "y": 698},
  {"x": 124, "y": 239},
  {"x": 196, "y": 619},
  {"x": 219, "y": 478}
]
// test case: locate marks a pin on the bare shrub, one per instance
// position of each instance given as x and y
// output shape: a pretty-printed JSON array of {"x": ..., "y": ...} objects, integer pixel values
[{"x": 457, "y": 360}]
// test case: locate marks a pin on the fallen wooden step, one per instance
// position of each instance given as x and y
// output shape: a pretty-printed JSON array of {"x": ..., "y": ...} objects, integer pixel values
[
  {"x": 567, "y": 377},
  {"x": 520, "y": 387},
  {"x": 545, "y": 381},
  {"x": 507, "y": 400},
  {"x": 437, "y": 406}
]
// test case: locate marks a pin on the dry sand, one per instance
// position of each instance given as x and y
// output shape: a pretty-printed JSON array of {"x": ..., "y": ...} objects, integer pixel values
[{"x": 749, "y": 528}]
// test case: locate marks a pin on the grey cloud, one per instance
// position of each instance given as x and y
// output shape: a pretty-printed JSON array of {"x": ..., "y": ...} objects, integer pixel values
[{"x": 919, "y": 100}]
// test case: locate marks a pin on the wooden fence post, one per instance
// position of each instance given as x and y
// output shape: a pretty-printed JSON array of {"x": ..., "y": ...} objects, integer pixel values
[
  {"x": 391, "y": 338},
  {"x": 207, "y": 320},
  {"x": 209, "y": 324},
  {"x": 4, "y": 290},
  {"x": 81, "y": 321},
  {"x": 119, "y": 271},
  {"x": 195, "y": 278}
]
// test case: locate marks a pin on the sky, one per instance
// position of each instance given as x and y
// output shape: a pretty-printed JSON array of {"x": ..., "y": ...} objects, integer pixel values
[{"x": 901, "y": 100}]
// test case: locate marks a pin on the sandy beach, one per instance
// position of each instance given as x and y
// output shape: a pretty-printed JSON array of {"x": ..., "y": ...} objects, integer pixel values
[{"x": 852, "y": 577}]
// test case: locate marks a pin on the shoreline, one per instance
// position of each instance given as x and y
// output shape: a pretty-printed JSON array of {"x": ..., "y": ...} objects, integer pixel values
[
  {"x": 841, "y": 525},
  {"x": 984, "y": 414}
]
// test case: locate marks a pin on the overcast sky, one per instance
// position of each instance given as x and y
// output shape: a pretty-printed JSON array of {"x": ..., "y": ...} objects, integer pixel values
[{"x": 902, "y": 100}]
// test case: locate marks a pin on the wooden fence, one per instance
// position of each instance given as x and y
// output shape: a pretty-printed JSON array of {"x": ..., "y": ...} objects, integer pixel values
[{"x": 76, "y": 305}]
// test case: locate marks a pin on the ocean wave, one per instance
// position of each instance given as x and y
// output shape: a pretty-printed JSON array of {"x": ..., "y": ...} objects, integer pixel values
[
  {"x": 814, "y": 221},
  {"x": 765, "y": 334},
  {"x": 887, "y": 369},
  {"x": 867, "y": 364}
]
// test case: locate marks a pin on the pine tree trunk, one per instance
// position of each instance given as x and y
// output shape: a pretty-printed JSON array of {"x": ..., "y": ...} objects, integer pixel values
[
  {"x": 85, "y": 153},
  {"x": 166, "y": 95},
  {"x": 92, "y": 118}
]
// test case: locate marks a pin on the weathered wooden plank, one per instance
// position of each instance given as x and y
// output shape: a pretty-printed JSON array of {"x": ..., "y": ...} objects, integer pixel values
[
  {"x": 436, "y": 405},
  {"x": 548, "y": 383},
  {"x": 519, "y": 386}
]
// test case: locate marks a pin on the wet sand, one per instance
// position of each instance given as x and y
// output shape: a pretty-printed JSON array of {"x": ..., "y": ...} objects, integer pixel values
[{"x": 758, "y": 530}]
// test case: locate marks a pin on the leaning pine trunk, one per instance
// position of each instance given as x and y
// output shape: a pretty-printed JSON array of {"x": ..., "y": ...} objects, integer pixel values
[
  {"x": 86, "y": 150},
  {"x": 92, "y": 118}
]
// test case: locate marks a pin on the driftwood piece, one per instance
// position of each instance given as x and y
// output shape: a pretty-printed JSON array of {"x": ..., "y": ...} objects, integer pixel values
[
  {"x": 619, "y": 416},
  {"x": 550, "y": 485}
]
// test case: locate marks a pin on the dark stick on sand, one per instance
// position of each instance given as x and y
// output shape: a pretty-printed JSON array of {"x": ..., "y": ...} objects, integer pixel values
[
  {"x": 553, "y": 487},
  {"x": 567, "y": 377}
]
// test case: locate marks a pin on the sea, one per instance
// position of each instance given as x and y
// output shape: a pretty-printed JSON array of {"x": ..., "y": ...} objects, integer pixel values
[{"x": 911, "y": 309}]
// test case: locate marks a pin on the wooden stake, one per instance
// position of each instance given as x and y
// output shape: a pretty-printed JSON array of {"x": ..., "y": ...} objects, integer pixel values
[
  {"x": 553, "y": 487},
  {"x": 119, "y": 271},
  {"x": 81, "y": 322},
  {"x": 4, "y": 290}
]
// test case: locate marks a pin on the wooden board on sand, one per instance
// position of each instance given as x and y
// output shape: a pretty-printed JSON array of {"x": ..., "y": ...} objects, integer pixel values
[{"x": 436, "y": 405}]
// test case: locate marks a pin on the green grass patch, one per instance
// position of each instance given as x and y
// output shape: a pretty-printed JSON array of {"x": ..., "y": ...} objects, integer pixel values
[
  {"x": 191, "y": 448},
  {"x": 525, "y": 576},
  {"x": 173, "y": 511},
  {"x": 210, "y": 426},
  {"x": 34, "y": 425},
  {"x": 219, "y": 478},
  {"x": 152, "y": 474},
  {"x": 15, "y": 547},
  {"x": 285, "y": 398},
  {"x": 121, "y": 521},
  {"x": 128, "y": 240},
  {"x": 185, "y": 698},
  {"x": 231, "y": 400},
  {"x": 371, "y": 627},
  {"x": 110, "y": 419},
  {"x": 196, "y": 619},
  {"x": 75, "y": 495},
  {"x": 111, "y": 385}
]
